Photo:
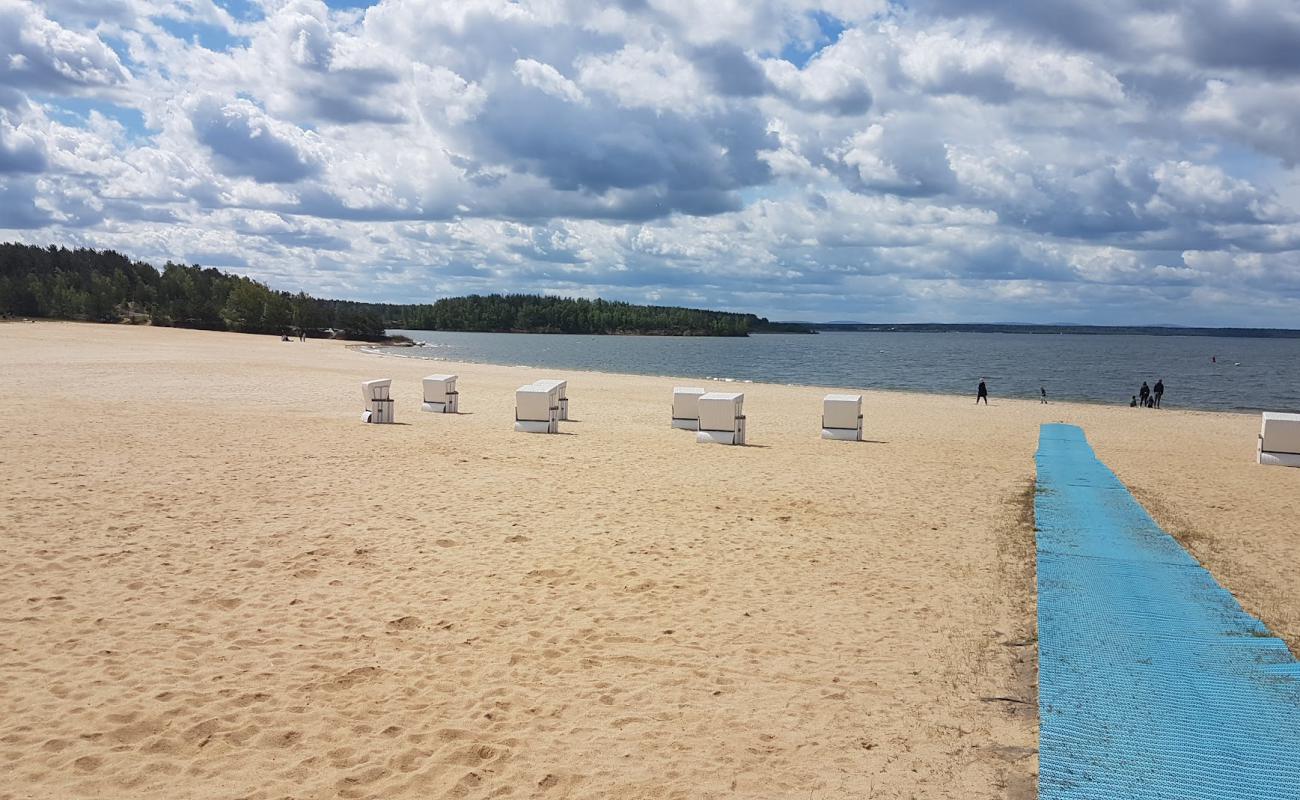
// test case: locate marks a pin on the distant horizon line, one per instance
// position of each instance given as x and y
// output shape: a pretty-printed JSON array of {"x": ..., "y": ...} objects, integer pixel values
[
  {"x": 1032, "y": 328},
  {"x": 1056, "y": 325}
]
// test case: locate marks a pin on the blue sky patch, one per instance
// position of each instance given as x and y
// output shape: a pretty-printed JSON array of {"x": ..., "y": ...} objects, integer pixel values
[
  {"x": 76, "y": 111},
  {"x": 209, "y": 37},
  {"x": 242, "y": 10},
  {"x": 830, "y": 28}
]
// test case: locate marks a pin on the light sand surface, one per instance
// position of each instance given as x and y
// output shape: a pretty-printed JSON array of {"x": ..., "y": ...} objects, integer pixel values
[{"x": 218, "y": 583}]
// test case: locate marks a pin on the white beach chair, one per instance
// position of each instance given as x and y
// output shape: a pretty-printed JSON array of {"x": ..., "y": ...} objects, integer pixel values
[
  {"x": 440, "y": 395},
  {"x": 379, "y": 403},
  {"x": 842, "y": 417},
  {"x": 1279, "y": 440},
  {"x": 722, "y": 418},
  {"x": 536, "y": 409},
  {"x": 686, "y": 407},
  {"x": 561, "y": 394}
]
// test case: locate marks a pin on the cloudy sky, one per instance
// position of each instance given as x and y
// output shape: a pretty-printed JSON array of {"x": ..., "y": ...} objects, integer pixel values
[{"x": 933, "y": 160}]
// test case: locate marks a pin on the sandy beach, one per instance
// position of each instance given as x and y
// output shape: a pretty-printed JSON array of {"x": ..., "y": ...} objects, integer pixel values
[{"x": 219, "y": 584}]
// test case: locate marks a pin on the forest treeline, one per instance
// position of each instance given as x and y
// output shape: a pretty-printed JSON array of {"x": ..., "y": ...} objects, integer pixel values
[
  {"x": 106, "y": 286},
  {"x": 541, "y": 314}
]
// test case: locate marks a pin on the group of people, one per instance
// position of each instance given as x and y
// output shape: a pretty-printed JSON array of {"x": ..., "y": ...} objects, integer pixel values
[{"x": 1147, "y": 396}]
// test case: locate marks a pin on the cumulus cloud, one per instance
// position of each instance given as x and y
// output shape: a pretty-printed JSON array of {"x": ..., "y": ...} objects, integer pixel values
[
  {"x": 730, "y": 70},
  {"x": 999, "y": 71},
  {"x": 639, "y": 78},
  {"x": 19, "y": 208},
  {"x": 1252, "y": 34},
  {"x": 1242, "y": 34},
  {"x": 897, "y": 156},
  {"x": 323, "y": 70},
  {"x": 1264, "y": 115},
  {"x": 548, "y": 80},
  {"x": 680, "y": 164},
  {"x": 833, "y": 81},
  {"x": 245, "y": 141},
  {"x": 937, "y": 159},
  {"x": 442, "y": 95},
  {"x": 40, "y": 54},
  {"x": 19, "y": 150},
  {"x": 1095, "y": 25}
]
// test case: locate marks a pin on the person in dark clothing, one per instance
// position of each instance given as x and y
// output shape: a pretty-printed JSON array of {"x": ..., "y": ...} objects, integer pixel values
[
  {"x": 1042, "y": 390},
  {"x": 1134, "y": 404},
  {"x": 1159, "y": 390},
  {"x": 1144, "y": 393},
  {"x": 982, "y": 392}
]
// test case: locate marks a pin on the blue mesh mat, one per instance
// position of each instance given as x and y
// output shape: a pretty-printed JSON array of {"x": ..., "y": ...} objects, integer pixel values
[{"x": 1153, "y": 683}]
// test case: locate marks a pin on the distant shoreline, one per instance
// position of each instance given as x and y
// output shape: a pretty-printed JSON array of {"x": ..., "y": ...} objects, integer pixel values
[
  {"x": 1081, "y": 330},
  {"x": 936, "y": 327}
]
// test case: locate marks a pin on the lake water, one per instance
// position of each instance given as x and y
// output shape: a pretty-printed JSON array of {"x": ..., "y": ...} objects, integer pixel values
[{"x": 1249, "y": 374}]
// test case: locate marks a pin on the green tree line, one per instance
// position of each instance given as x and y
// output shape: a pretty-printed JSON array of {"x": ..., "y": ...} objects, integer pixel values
[
  {"x": 106, "y": 286},
  {"x": 541, "y": 314}
]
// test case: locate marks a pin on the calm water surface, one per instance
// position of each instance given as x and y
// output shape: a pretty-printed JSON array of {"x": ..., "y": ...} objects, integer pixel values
[{"x": 1250, "y": 374}]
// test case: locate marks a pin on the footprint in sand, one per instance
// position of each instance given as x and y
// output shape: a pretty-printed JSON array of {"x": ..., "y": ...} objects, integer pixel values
[
  {"x": 363, "y": 777},
  {"x": 137, "y": 731},
  {"x": 474, "y": 755},
  {"x": 250, "y": 698},
  {"x": 409, "y": 760},
  {"x": 353, "y": 677}
]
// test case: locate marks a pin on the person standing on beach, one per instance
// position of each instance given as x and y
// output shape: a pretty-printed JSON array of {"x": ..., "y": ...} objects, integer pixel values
[
  {"x": 1144, "y": 393},
  {"x": 1042, "y": 390},
  {"x": 982, "y": 392},
  {"x": 1159, "y": 390}
]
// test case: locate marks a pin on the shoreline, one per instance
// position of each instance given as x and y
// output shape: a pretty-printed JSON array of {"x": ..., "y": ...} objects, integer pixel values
[{"x": 372, "y": 348}]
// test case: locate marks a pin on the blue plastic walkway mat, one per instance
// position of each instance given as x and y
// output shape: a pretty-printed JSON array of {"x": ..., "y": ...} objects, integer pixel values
[{"x": 1153, "y": 683}]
